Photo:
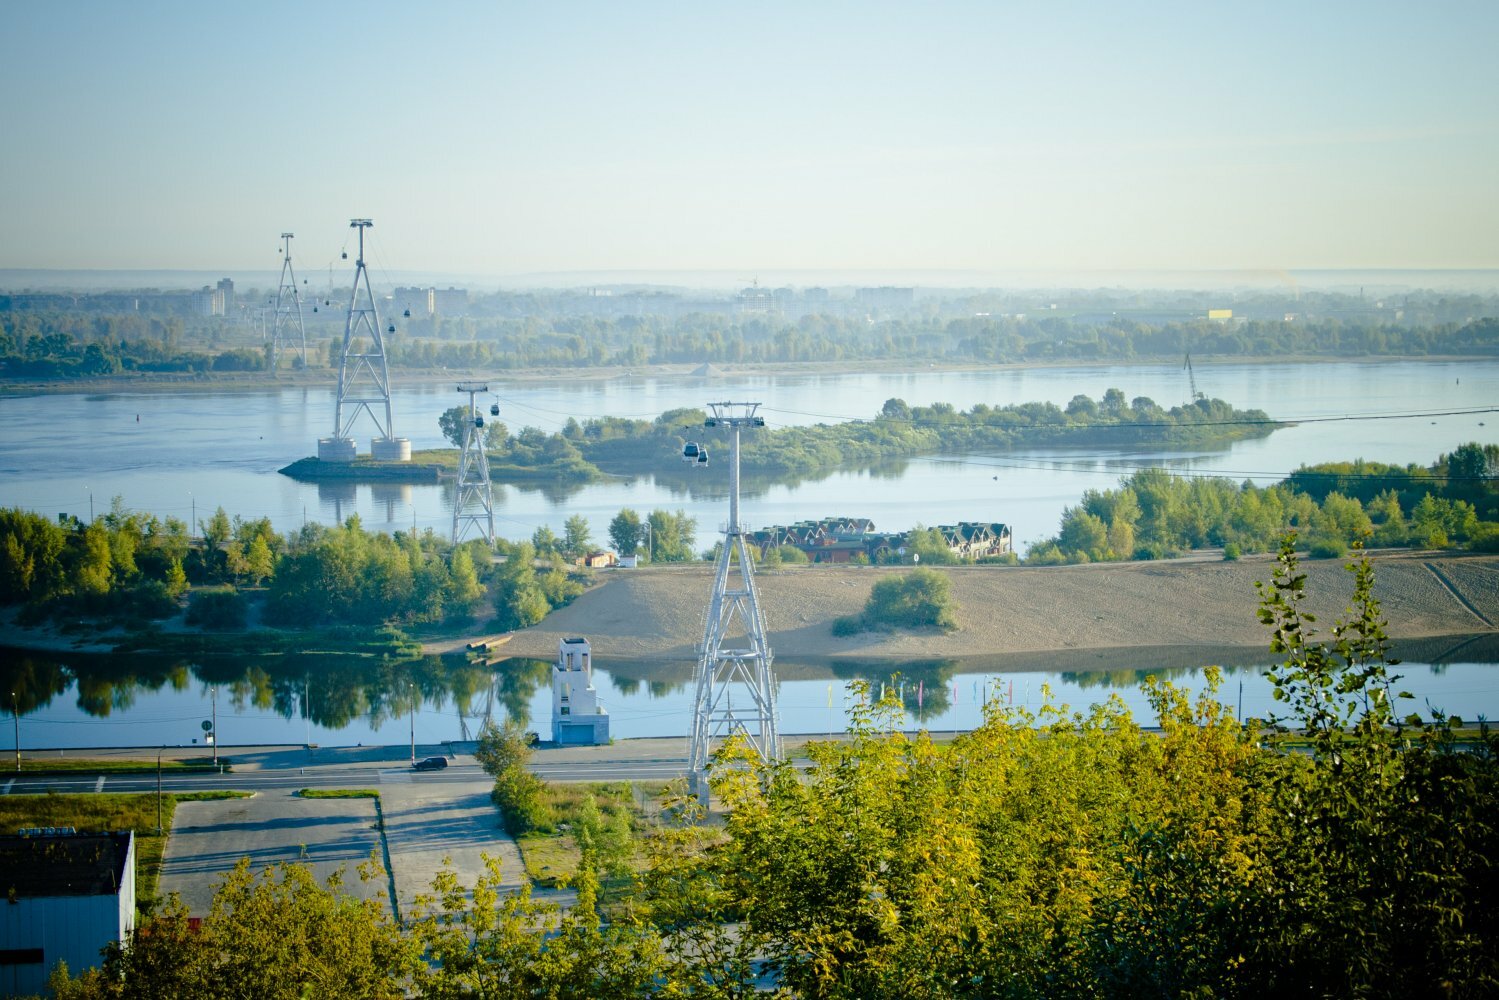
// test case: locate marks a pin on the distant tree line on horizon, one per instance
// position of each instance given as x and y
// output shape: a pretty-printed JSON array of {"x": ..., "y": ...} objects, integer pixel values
[{"x": 58, "y": 344}]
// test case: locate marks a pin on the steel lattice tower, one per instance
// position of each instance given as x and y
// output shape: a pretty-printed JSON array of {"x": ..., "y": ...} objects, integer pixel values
[
  {"x": 363, "y": 378},
  {"x": 734, "y": 616},
  {"x": 288, "y": 308},
  {"x": 474, "y": 506}
]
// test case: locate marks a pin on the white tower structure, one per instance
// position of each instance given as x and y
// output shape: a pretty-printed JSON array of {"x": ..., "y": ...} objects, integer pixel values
[
  {"x": 578, "y": 718},
  {"x": 288, "y": 311},
  {"x": 474, "y": 506},
  {"x": 363, "y": 376},
  {"x": 735, "y": 657}
]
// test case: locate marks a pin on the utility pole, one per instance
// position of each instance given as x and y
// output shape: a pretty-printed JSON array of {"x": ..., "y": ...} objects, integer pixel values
[
  {"x": 214, "y": 701},
  {"x": 722, "y": 668},
  {"x": 15, "y": 713},
  {"x": 411, "y": 688}
]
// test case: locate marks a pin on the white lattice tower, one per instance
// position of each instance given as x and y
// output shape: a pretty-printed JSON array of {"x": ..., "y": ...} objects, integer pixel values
[
  {"x": 735, "y": 656},
  {"x": 288, "y": 312},
  {"x": 474, "y": 506},
  {"x": 363, "y": 376}
]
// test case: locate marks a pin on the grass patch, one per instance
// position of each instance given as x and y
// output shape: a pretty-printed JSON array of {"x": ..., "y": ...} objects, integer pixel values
[
  {"x": 338, "y": 793},
  {"x": 95, "y": 765},
  {"x": 551, "y": 855}
]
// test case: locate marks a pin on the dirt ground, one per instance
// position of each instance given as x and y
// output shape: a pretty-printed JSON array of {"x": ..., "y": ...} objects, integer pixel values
[{"x": 658, "y": 612}]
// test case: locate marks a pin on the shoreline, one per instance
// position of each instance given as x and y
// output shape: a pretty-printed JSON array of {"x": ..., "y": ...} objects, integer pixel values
[
  {"x": 1102, "y": 616},
  {"x": 154, "y": 382}
]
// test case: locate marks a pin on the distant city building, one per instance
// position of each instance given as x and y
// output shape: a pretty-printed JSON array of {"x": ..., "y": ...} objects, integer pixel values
[
  {"x": 214, "y": 301},
  {"x": 578, "y": 719},
  {"x": 68, "y": 895},
  {"x": 1220, "y": 315},
  {"x": 755, "y": 301},
  {"x": 430, "y": 301}
]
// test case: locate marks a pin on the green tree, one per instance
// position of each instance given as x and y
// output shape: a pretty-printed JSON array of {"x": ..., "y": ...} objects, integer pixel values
[
  {"x": 921, "y": 598},
  {"x": 626, "y": 532},
  {"x": 277, "y": 934},
  {"x": 454, "y": 422},
  {"x": 672, "y": 536},
  {"x": 576, "y": 537}
]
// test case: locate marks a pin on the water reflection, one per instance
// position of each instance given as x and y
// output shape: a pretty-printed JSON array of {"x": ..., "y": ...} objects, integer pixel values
[{"x": 80, "y": 699}]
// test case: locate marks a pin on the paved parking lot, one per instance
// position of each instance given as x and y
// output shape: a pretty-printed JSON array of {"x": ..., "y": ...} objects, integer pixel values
[
  {"x": 209, "y": 838},
  {"x": 428, "y": 825}
]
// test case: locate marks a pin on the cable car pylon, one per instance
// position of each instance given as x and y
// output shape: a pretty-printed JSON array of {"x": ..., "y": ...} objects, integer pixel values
[
  {"x": 474, "y": 504},
  {"x": 735, "y": 656},
  {"x": 288, "y": 310}
]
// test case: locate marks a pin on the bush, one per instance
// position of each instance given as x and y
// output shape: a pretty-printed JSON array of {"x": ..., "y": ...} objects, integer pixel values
[
  {"x": 218, "y": 610},
  {"x": 921, "y": 598},
  {"x": 1231, "y": 552},
  {"x": 848, "y": 625},
  {"x": 1328, "y": 547},
  {"x": 522, "y": 801}
]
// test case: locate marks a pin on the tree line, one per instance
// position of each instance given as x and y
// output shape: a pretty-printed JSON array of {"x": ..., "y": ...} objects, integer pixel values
[
  {"x": 1053, "y": 853},
  {"x": 1453, "y": 503},
  {"x": 60, "y": 344},
  {"x": 618, "y": 446}
]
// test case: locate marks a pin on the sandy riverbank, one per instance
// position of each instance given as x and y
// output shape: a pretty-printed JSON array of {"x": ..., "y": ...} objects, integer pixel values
[{"x": 657, "y": 613}]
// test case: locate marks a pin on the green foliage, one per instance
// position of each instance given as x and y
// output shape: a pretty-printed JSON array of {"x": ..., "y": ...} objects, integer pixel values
[
  {"x": 672, "y": 535},
  {"x": 1154, "y": 514},
  {"x": 627, "y": 532},
  {"x": 503, "y": 752},
  {"x": 271, "y": 935},
  {"x": 216, "y": 610},
  {"x": 921, "y": 598}
]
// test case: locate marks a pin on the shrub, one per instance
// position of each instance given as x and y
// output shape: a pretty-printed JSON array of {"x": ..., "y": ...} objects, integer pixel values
[
  {"x": 218, "y": 610},
  {"x": 1327, "y": 547},
  {"x": 848, "y": 625},
  {"x": 1231, "y": 552}
]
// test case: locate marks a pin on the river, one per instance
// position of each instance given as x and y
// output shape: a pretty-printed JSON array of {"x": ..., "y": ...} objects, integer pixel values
[{"x": 186, "y": 453}]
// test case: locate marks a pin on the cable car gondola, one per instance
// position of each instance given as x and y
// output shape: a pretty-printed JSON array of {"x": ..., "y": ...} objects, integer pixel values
[
  {"x": 494, "y": 409},
  {"x": 407, "y": 314},
  {"x": 392, "y": 328},
  {"x": 690, "y": 452},
  {"x": 702, "y": 457},
  {"x": 478, "y": 421}
]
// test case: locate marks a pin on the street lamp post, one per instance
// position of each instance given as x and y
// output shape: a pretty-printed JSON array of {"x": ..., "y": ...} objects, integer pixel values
[
  {"x": 158, "y": 791},
  {"x": 214, "y": 701},
  {"x": 412, "y": 689},
  {"x": 650, "y": 542},
  {"x": 15, "y": 713}
]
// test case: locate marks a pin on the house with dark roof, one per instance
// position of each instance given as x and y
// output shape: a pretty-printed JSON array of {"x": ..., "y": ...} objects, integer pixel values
[{"x": 67, "y": 896}]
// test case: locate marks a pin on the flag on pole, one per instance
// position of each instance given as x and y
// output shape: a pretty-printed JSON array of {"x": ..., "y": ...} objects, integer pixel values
[
  {"x": 830, "y": 696},
  {"x": 920, "y": 693}
]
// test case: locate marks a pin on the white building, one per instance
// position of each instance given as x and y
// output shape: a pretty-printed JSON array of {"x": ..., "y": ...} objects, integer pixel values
[
  {"x": 69, "y": 894},
  {"x": 577, "y": 717}
]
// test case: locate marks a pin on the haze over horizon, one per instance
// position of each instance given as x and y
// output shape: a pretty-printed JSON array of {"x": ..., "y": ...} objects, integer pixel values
[{"x": 958, "y": 138}]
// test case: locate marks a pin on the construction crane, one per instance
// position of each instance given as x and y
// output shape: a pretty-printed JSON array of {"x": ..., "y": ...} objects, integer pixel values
[{"x": 1192, "y": 379}]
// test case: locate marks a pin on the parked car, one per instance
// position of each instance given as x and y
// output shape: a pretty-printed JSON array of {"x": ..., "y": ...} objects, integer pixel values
[{"x": 430, "y": 764}]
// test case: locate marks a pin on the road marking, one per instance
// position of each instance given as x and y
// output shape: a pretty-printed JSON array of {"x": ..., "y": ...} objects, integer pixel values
[
  {"x": 12, "y": 781},
  {"x": 99, "y": 785}
]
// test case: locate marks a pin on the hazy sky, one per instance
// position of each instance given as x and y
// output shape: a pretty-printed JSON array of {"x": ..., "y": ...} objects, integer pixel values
[{"x": 505, "y": 138}]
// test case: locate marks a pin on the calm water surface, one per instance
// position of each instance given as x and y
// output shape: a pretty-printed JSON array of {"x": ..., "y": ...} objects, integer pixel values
[
  {"x": 192, "y": 452},
  {"x": 180, "y": 453}
]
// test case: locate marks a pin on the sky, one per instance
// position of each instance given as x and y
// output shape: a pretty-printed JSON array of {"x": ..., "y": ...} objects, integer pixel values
[{"x": 502, "y": 138}]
